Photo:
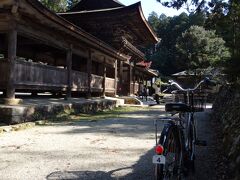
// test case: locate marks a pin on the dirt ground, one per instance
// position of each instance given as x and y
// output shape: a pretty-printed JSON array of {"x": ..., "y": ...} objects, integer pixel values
[{"x": 120, "y": 148}]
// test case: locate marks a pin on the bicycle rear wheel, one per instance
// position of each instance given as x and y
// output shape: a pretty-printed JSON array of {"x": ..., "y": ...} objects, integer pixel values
[
  {"x": 190, "y": 142},
  {"x": 171, "y": 142}
]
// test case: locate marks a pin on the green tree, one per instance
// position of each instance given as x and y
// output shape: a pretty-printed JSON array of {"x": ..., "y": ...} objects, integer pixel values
[
  {"x": 190, "y": 5},
  {"x": 56, "y": 5},
  {"x": 154, "y": 21},
  {"x": 225, "y": 19},
  {"x": 202, "y": 48},
  {"x": 166, "y": 58}
]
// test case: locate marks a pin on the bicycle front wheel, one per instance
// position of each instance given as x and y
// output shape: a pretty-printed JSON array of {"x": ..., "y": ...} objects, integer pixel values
[{"x": 171, "y": 142}]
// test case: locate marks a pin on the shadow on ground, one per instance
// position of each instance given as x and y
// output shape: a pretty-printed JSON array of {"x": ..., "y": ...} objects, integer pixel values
[
  {"x": 135, "y": 124},
  {"x": 142, "y": 170},
  {"x": 130, "y": 124}
]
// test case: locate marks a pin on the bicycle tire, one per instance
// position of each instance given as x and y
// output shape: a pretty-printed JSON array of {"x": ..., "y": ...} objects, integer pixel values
[
  {"x": 191, "y": 135},
  {"x": 171, "y": 141}
]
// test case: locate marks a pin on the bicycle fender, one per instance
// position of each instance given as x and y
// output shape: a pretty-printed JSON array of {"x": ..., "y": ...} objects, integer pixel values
[{"x": 165, "y": 130}]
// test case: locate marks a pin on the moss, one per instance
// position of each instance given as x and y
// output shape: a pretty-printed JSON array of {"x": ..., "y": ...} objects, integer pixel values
[
  {"x": 101, "y": 115},
  {"x": 227, "y": 112}
]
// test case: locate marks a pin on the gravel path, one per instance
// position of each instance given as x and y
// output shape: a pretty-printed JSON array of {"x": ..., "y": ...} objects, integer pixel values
[{"x": 107, "y": 149}]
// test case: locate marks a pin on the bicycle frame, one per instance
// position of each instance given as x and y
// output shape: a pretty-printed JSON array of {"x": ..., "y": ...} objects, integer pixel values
[
  {"x": 184, "y": 127},
  {"x": 190, "y": 124}
]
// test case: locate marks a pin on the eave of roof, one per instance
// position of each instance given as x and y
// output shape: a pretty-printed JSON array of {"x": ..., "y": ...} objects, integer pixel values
[
  {"x": 84, "y": 36},
  {"x": 133, "y": 49},
  {"x": 153, "y": 72},
  {"x": 150, "y": 72},
  {"x": 120, "y": 10}
]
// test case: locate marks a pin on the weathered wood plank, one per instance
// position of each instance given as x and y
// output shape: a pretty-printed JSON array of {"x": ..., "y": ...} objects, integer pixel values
[
  {"x": 29, "y": 73},
  {"x": 116, "y": 77},
  {"x": 69, "y": 72},
  {"x": 130, "y": 79},
  {"x": 79, "y": 81},
  {"x": 104, "y": 76},
  {"x": 134, "y": 76},
  {"x": 4, "y": 66},
  {"x": 89, "y": 71},
  {"x": 110, "y": 83},
  {"x": 96, "y": 81},
  {"x": 135, "y": 87},
  {"x": 12, "y": 53}
]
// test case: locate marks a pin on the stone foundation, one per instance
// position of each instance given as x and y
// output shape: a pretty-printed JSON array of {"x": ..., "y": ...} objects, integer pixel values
[{"x": 26, "y": 113}]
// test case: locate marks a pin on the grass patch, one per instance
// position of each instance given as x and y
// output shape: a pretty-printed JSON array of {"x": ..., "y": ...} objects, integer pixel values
[{"x": 108, "y": 114}]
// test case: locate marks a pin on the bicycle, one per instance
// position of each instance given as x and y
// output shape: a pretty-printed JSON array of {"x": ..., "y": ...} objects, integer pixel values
[{"x": 175, "y": 149}]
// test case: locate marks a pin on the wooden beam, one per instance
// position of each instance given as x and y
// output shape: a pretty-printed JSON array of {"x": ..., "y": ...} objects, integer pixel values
[
  {"x": 12, "y": 54},
  {"x": 104, "y": 76},
  {"x": 69, "y": 72},
  {"x": 116, "y": 77},
  {"x": 134, "y": 76},
  {"x": 120, "y": 75},
  {"x": 89, "y": 72},
  {"x": 130, "y": 79},
  {"x": 138, "y": 81}
]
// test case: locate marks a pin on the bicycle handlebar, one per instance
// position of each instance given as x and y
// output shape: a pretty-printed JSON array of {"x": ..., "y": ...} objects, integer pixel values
[{"x": 205, "y": 80}]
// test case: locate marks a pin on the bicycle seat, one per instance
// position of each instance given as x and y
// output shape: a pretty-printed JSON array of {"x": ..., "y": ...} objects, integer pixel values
[{"x": 178, "y": 107}]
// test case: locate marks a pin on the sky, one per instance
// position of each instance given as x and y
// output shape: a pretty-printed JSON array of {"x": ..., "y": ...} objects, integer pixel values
[{"x": 152, "y": 5}]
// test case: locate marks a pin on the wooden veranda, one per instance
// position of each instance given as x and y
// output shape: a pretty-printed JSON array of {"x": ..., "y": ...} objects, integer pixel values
[{"x": 41, "y": 51}]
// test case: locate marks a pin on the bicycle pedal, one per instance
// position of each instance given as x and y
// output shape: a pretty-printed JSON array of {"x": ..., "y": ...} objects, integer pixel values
[{"x": 200, "y": 143}]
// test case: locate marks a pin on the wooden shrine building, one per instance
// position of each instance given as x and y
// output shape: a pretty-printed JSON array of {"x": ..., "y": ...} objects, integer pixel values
[
  {"x": 44, "y": 51},
  {"x": 124, "y": 28}
]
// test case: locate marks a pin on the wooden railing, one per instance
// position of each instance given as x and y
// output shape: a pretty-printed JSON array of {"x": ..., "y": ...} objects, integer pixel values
[
  {"x": 136, "y": 88},
  {"x": 79, "y": 80},
  {"x": 110, "y": 84},
  {"x": 30, "y": 75},
  {"x": 97, "y": 82},
  {"x": 36, "y": 74}
]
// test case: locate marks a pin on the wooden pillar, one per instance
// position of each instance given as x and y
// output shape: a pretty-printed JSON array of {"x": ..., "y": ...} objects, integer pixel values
[
  {"x": 104, "y": 77},
  {"x": 69, "y": 72},
  {"x": 130, "y": 78},
  {"x": 116, "y": 77},
  {"x": 138, "y": 81},
  {"x": 151, "y": 92},
  {"x": 12, "y": 54},
  {"x": 134, "y": 78},
  {"x": 144, "y": 80},
  {"x": 120, "y": 76},
  {"x": 89, "y": 72}
]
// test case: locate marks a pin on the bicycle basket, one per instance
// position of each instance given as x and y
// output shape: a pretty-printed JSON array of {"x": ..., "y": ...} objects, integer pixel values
[{"x": 197, "y": 99}]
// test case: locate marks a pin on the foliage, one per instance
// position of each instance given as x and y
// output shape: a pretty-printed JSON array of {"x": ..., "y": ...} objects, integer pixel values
[
  {"x": 166, "y": 57},
  {"x": 191, "y": 5},
  {"x": 201, "y": 48},
  {"x": 154, "y": 21},
  {"x": 67, "y": 117},
  {"x": 225, "y": 19},
  {"x": 55, "y": 5},
  {"x": 223, "y": 16},
  {"x": 59, "y": 5}
]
